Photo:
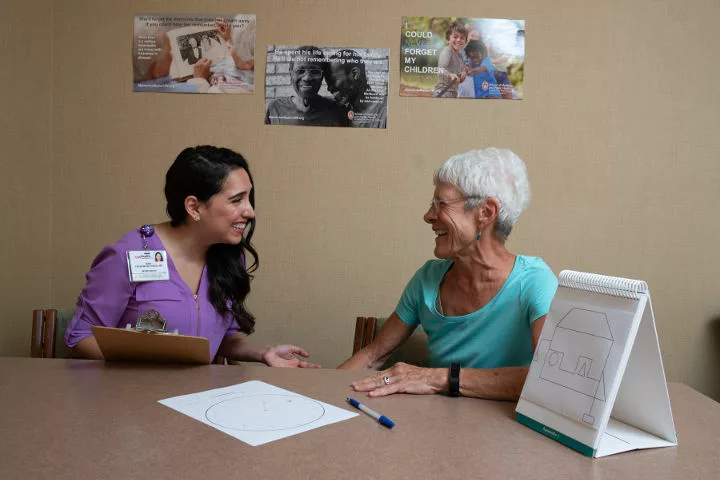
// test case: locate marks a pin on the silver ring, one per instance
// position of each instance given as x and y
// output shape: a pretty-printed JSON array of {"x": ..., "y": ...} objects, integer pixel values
[{"x": 386, "y": 380}]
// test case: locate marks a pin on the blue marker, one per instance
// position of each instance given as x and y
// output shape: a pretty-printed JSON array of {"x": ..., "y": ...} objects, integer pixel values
[{"x": 380, "y": 418}]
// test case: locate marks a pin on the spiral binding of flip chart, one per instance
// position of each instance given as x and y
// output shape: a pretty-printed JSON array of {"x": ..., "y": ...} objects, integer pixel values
[{"x": 593, "y": 282}]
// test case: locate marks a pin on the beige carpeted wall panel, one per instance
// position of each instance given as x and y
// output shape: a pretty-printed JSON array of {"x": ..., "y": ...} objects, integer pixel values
[
  {"x": 25, "y": 168},
  {"x": 618, "y": 129}
]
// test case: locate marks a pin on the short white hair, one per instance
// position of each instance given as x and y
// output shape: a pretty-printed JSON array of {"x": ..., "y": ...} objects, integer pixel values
[{"x": 489, "y": 173}]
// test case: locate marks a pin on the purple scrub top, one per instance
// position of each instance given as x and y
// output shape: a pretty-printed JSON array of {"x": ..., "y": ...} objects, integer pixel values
[{"x": 110, "y": 299}]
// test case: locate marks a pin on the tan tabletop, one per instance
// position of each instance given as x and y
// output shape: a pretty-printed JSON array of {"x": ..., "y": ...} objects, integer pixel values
[{"x": 72, "y": 419}]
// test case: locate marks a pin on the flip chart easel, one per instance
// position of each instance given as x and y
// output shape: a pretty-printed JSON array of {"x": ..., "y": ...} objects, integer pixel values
[{"x": 596, "y": 382}]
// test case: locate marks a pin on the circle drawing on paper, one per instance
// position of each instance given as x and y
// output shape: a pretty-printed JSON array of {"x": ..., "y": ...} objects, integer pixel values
[{"x": 264, "y": 413}]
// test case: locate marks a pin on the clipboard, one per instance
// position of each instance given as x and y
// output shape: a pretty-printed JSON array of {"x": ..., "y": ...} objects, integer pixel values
[{"x": 120, "y": 344}]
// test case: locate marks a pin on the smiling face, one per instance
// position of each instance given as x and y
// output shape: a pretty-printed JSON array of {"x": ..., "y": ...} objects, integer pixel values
[
  {"x": 340, "y": 84},
  {"x": 225, "y": 215},
  {"x": 457, "y": 40},
  {"x": 306, "y": 78},
  {"x": 475, "y": 56},
  {"x": 455, "y": 228}
]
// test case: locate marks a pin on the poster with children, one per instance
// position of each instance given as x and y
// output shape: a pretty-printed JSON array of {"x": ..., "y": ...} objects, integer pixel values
[{"x": 459, "y": 57}]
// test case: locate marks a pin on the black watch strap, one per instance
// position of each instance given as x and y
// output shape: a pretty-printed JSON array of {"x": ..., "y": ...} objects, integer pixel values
[{"x": 454, "y": 380}]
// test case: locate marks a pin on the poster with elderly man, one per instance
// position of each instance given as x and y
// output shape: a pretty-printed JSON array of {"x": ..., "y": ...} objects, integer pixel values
[
  {"x": 462, "y": 57},
  {"x": 326, "y": 86},
  {"x": 194, "y": 53}
]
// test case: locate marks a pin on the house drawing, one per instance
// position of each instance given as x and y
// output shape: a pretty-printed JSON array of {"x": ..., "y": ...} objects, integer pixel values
[{"x": 577, "y": 355}]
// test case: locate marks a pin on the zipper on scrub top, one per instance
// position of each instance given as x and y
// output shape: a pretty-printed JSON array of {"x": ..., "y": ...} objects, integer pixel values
[{"x": 197, "y": 304}]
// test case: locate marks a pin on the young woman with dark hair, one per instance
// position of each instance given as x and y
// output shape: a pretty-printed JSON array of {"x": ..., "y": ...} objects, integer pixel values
[{"x": 210, "y": 201}]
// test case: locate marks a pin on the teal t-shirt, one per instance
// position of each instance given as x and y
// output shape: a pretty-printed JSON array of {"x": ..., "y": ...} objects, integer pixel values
[{"x": 497, "y": 335}]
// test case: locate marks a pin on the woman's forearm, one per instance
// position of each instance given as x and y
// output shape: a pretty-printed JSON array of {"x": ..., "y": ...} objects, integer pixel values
[
  {"x": 493, "y": 383},
  {"x": 392, "y": 335},
  {"x": 365, "y": 358},
  {"x": 87, "y": 348},
  {"x": 240, "y": 347}
]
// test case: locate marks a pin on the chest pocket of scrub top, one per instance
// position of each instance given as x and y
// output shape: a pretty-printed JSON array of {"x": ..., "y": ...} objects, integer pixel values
[{"x": 163, "y": 296}]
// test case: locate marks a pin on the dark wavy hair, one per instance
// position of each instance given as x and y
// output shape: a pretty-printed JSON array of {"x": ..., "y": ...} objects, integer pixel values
[{"x": 201, "y": 171}]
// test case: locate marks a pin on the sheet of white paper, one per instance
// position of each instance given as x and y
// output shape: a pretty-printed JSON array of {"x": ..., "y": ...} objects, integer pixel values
[
  {"x": 257, "y": 412},
  {"x": 578, "y": 357}
]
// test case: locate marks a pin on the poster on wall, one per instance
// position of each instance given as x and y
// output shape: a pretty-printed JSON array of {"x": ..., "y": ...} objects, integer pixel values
[
  {"x": 460, "y": 57},
  {"x": 326, "y": 86},
  {"x": 188, "y": 53}
]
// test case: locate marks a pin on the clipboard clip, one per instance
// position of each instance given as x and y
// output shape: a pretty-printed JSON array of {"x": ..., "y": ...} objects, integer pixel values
[{"x": 150, "y": 322}]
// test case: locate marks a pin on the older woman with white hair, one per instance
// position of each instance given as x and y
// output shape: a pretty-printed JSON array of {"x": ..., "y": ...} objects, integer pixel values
[{"x": 482, "y": 307}]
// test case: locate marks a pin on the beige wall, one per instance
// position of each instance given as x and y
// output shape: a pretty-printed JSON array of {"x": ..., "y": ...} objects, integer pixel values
[
  {"x": 619, "y": 131},
  {"x": 25, "y": 167}
]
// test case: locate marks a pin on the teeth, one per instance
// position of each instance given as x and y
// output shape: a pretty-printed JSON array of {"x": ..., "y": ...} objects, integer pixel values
[{"x": 440, "y": 232}]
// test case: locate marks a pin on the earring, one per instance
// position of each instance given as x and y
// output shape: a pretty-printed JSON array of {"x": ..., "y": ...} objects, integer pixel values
[{"x": 196, "y": 218}]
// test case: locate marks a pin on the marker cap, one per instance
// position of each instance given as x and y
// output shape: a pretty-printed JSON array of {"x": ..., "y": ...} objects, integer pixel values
[{"x": 386, "y": 421}]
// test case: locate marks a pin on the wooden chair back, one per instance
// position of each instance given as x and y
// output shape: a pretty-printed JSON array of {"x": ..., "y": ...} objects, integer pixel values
[
  {"x": 48, "y": 330},
  {"x": 364, "y": 332}
]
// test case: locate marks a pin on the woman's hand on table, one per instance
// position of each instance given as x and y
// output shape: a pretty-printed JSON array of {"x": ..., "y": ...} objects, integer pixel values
[
  {"x": 287, "y": 356},
  {"x": 404, "y": 378}
]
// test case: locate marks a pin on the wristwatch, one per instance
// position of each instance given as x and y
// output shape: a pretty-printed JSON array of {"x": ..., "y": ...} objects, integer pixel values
[{"x": 454, "y": 380}]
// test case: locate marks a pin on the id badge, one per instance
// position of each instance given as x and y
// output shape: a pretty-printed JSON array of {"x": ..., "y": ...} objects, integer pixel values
[{"x": 147, "y": 265}]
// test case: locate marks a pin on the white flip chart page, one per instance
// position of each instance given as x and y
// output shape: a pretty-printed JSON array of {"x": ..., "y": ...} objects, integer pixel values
[
  {"x": 257, "y": 412},
  {"x": 578, "y": 361}
]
